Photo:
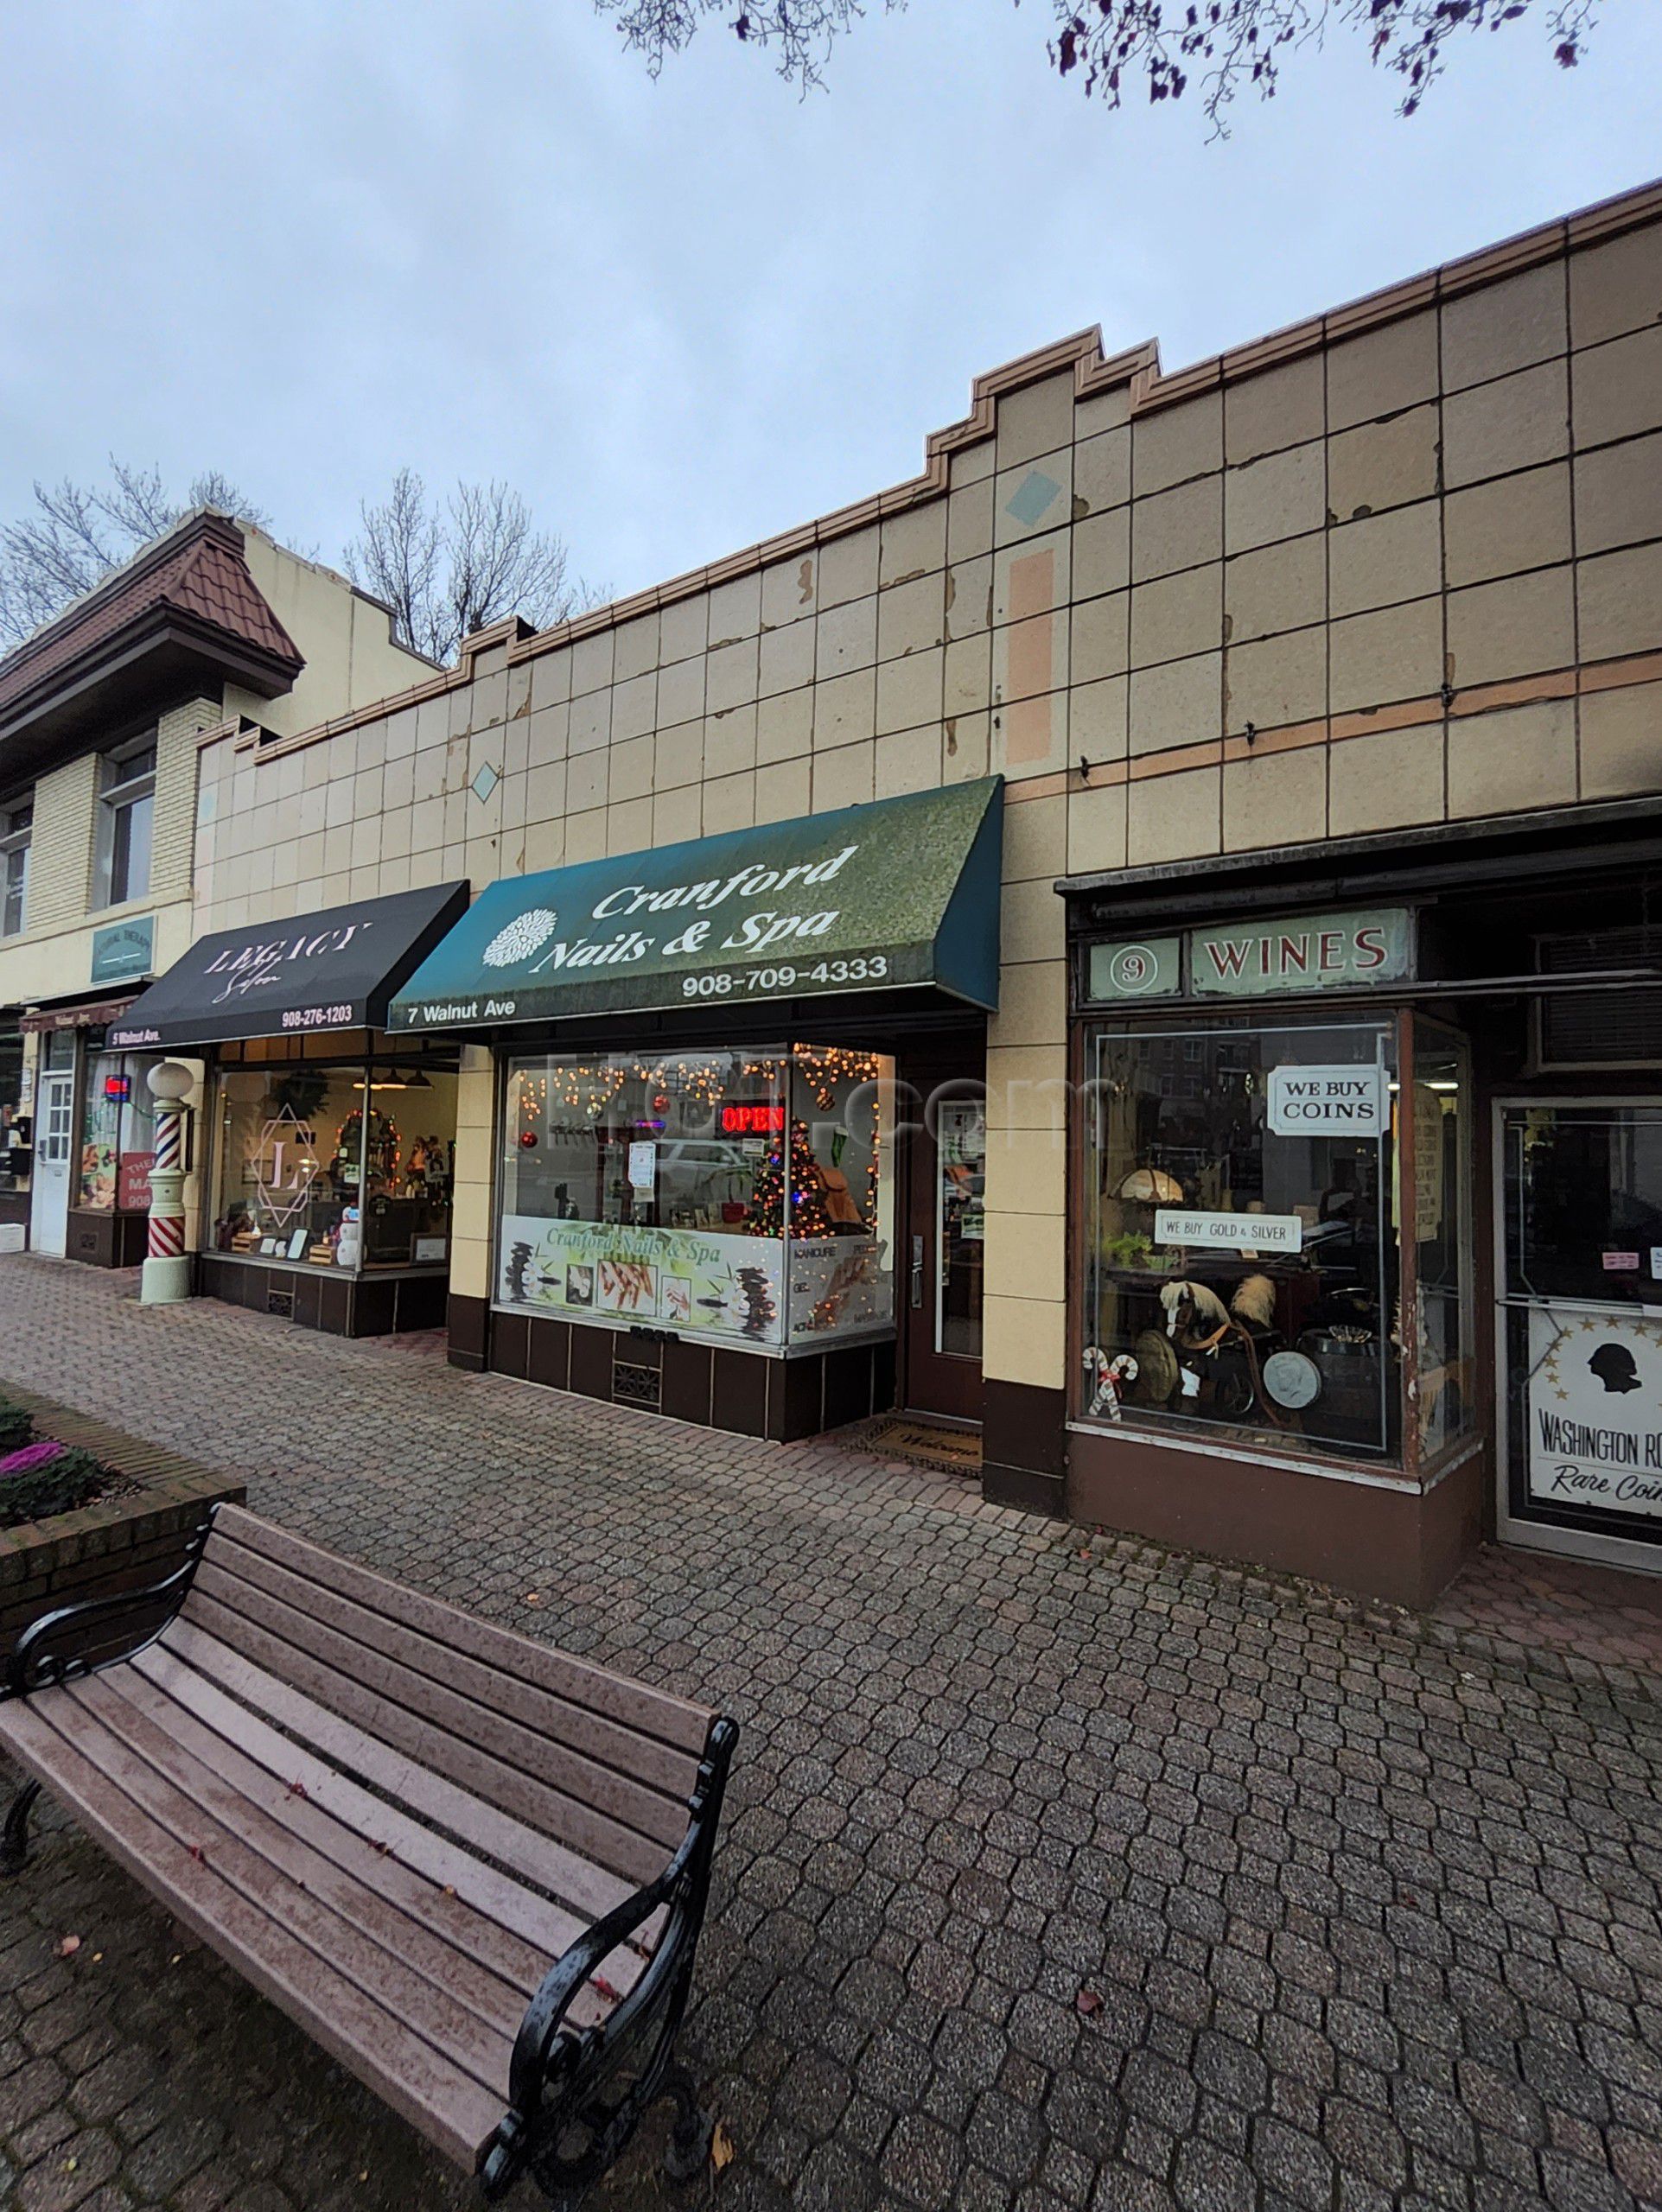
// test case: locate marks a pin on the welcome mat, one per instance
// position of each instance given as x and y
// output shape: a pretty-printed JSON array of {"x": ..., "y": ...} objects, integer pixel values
[{"x": 924, "y": 1443}]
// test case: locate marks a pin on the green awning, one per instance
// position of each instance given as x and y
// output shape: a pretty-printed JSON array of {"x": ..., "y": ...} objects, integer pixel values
[{"x": 900, "y": 894}]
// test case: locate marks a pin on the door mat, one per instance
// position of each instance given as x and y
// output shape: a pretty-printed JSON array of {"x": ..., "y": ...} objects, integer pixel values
[{"x": 924, "y": 1443}]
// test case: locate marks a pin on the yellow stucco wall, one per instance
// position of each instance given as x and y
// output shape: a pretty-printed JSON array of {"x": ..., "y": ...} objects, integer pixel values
[{"x": 1400, "y": 566}]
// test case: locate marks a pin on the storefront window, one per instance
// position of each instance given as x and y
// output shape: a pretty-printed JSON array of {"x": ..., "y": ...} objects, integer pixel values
[
  {"x": 137, "y": 1154},
  {"x": 411, "y": 1168},
  {"x": 742, "y": 1194},
  {"x": 335, "y": 1167},
  {"x": 1242, "y": 1264},
  {"x": 960, "y": 1224},
  {"x": 1581, "y": 1318},
  {"x": 118, "y": 1146},
  {"x": 100, "y": 1142},
  {"x": 14, "y": 1126}
]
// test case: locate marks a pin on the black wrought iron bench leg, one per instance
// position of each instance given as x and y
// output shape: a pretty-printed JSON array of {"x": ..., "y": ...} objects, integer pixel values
[
  {"x": 14, "y": 1837},
  {"x": 688, "y": 2154}
]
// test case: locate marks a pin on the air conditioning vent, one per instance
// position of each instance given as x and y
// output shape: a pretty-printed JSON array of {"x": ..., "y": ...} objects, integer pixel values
[
  {"x": 1601, "y": 1028},
  {"x": 634, "y": 1385}
]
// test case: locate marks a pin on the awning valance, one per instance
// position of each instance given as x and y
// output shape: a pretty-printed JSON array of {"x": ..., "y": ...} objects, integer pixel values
[
  {"x": 95, "y": 1013},
  {"x": 901, "y": 893},
  {"x": 337, "y": 970}
]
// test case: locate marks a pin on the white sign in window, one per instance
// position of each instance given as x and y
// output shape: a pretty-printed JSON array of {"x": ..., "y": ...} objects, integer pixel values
[
  {"x": 1595, "y": 1427},
  {"x": 1326, "y": 1102},
  {"x": 1234, "y": 1232}
]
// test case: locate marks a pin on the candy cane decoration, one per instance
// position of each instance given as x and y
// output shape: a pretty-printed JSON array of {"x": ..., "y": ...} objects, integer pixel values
[{"x": 1107, "y": 1377}]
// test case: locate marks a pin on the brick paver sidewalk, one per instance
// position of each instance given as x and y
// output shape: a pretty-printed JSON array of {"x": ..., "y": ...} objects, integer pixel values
[{"x": 1060, "y": 1871}]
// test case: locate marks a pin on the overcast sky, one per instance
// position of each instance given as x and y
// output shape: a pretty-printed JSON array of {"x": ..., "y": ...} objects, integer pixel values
[{"x": 307, "y": 243}]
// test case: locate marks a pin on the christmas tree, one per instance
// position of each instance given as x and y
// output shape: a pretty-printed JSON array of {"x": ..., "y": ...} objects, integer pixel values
[
  {"x": 809, "y": 1216},
  {"x": 383, "y": 1147}
]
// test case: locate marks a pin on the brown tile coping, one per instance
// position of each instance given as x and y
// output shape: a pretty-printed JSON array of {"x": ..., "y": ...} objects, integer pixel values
[{"x": 174, "y": 1493}]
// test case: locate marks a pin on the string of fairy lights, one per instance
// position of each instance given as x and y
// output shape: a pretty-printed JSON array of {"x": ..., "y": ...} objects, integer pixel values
[{"x": 591, "y": 1087}]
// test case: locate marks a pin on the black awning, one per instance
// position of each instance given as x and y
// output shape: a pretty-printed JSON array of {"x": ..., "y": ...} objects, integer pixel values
[{"x": 337, "y": 970}]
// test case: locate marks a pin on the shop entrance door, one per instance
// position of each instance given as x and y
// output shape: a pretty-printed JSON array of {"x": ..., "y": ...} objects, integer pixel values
[
  {"x": 49, "y": 1205},
  {"x": 1578, "y": 1335},
  {"x": 942, "y": 1279}
]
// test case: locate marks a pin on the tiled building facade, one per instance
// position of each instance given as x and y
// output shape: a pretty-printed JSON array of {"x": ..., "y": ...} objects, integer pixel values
[{"x": 1393, "y": 571}]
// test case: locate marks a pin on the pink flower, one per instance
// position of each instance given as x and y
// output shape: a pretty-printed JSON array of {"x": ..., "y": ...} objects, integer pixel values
[{"x": 31, "y": 1457}]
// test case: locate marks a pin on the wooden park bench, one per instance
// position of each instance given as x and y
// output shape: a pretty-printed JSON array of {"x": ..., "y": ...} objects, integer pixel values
[{"x": 389, "y": 1818}]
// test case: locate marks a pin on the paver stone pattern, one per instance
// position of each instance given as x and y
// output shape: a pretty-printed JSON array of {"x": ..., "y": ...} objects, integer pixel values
[{"x": 1060, "y": 1871}]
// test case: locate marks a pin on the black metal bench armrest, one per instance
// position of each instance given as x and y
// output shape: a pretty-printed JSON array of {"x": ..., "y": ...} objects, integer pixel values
[
  {"x": 32, "y": 1664},
  {"x": 557, "y": 2069}
]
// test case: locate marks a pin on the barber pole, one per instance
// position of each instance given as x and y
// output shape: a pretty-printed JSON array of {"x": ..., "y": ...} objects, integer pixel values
[{"x": 166, "y": 1275}]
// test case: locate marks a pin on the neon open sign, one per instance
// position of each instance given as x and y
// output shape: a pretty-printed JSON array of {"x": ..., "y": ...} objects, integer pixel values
[{"x": 753, "y": 1121}]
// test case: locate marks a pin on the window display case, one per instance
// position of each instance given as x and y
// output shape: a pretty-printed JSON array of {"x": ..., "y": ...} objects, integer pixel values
[
  {"x": 1250, "y": 1255},
  {"x": 117, "y": 1143},
  {"x": 15, "y": 1149},
  {"x": 741, "y": 1195},
  {"x": 347, "y": 1166}
]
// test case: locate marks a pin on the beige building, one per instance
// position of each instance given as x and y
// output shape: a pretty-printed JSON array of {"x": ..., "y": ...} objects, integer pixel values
[
  {"x": 100, "y": 711},
  {"x": 1315, "y": 1109}
]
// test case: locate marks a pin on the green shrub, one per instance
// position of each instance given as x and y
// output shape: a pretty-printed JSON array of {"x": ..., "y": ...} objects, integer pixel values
[
  {"x": 17, "y": 1428},
  {"x": 73, "y": 1478}
]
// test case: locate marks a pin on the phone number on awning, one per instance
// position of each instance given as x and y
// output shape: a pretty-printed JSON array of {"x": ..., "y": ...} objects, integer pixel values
[{"x": 727, "y": 982}]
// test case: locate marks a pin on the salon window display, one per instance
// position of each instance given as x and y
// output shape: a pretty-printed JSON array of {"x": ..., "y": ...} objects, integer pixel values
[
  {"x": 16, "y": 1156},
  {"x": 118, "y": 1144},
  {"x": 742, "y": 1195},
  {"x": 335, "y": 1166},
  {"x": 1242, "y": 1243}
]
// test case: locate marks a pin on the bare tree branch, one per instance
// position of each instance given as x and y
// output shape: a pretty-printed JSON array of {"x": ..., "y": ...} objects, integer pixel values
[
  {"x": 800, "y": 33},
  {"x": 1232, "y": 46},
  {"x": 398, "y": 557},
  {"x": 447, "y": 570},
  {"x": 74, "y": 534}
]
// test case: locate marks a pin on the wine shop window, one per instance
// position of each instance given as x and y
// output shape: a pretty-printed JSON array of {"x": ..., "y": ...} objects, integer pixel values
[{"x": 1250, "y": 1250}]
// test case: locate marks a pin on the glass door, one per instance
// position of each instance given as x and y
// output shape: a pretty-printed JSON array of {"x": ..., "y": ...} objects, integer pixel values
[
  {"x": 55, "y": 1123},
  {"x": 1579, "y": 1327},
  {"x": 946, "y": 1249}
]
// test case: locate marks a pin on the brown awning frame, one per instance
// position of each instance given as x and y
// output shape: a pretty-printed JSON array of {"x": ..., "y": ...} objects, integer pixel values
[{"x": 94, "y": 1013}]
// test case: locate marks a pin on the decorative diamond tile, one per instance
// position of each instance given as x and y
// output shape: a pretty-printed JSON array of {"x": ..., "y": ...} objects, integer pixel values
[
  {"x": 484, "y": 783},
  {"x": 1031, "y": 498}
]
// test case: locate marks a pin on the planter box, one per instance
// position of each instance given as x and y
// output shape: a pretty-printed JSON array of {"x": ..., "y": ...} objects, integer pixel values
[{"x": 121, "y": 1543}]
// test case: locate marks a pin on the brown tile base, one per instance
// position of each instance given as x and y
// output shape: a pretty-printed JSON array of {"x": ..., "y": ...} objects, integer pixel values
[
  {"x": 1028, "y": 1491},
  {"x": 710, "y": 1385},
  {"x": 1384, "y": 1543},
  {"x": 101, "y": 1239},
  {"x": 338, "y": 1306},
  {"x": 1024, "y": 1447}
]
